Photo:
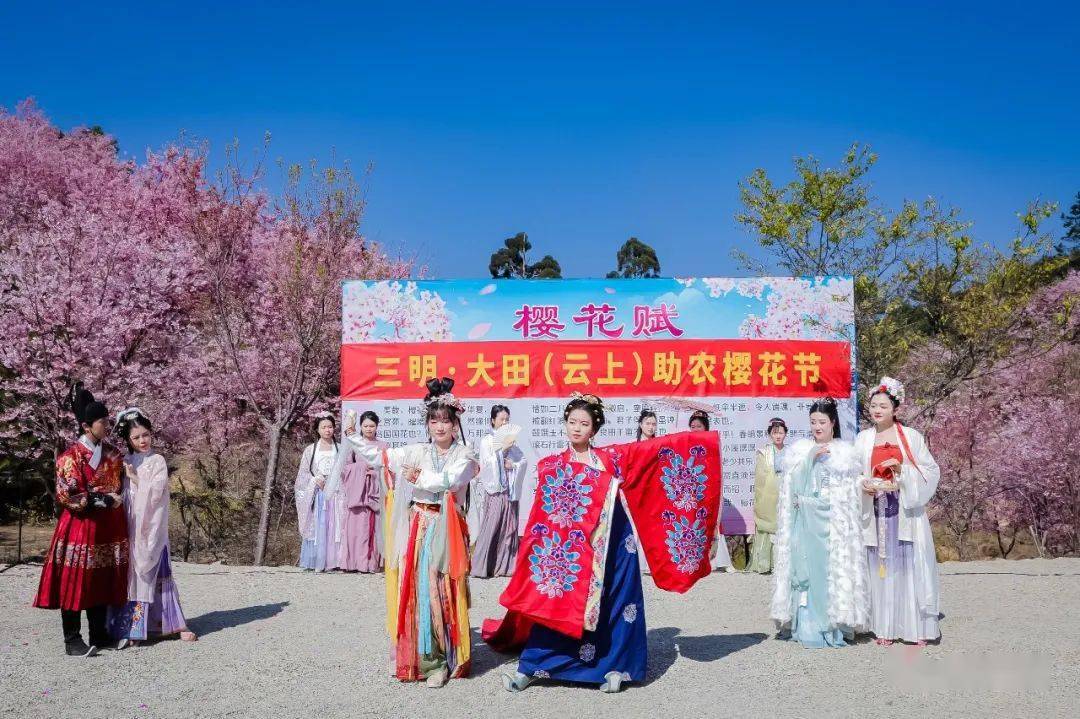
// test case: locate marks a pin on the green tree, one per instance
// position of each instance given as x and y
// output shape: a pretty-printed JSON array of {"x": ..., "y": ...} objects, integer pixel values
[
  {"x": 1071, "y": 241},
  {"x": 636, "y": 259},
  {"x": 512, "y": 261},
  {"x": 920, "y": 279}
]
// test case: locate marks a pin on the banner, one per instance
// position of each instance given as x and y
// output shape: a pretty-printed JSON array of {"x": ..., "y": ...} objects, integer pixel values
[{"x": 745, "y": 350}]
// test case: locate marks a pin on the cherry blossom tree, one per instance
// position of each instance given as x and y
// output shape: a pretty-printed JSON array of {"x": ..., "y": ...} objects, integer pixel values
[
  {"x": 211, "y": 305},
  {"x": 274, "y": 274},
  {"x": 98, "y": 283},
  {"x": 1004, "y": 437}
]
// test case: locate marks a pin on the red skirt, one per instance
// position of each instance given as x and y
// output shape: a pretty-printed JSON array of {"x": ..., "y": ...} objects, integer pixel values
[{"x": 87, "y": 564}]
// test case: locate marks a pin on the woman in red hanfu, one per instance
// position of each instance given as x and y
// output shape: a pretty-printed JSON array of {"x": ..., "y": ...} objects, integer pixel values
[
  {"x": 575, "y": 600},
  {"x": 87, "y": 565}
]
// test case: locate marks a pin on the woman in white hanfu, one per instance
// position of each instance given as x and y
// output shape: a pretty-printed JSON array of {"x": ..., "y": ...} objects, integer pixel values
[
  {"x": 898, "y": 478},
  {"x": 820, "y": 591},
  {"x": 497, "y": 491},
  {"x": 319, "y": 512},
  {"x": 153, "y": 608}
]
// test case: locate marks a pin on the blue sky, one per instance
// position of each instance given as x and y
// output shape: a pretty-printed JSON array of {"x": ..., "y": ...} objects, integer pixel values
[{"x": 580, "y": 124}]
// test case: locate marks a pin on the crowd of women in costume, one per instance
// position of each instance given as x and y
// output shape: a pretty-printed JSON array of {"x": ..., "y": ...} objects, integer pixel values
[{"x": 841, "y": 526}]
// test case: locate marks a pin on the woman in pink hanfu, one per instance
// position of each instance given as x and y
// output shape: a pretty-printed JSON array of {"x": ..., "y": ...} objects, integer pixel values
[{"x": 360, "y": 477}]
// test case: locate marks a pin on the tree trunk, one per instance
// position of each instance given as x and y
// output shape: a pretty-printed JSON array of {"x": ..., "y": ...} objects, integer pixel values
[
  {"x": 1001, "y": 543},
  {"x": 960, "y": 545},
  {"x": 1038, "y": 543},
  {"x": 269, "y": 481}
]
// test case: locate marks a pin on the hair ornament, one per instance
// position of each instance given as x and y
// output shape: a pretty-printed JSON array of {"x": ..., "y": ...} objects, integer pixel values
[
  {"x": 890, "y": 386},
  {"x": 128, "y": 415},
  {"x": 440, "y": 394},
  {"x": 587, "y": 398}
]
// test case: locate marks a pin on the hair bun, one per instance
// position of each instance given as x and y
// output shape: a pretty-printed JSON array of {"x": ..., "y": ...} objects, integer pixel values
[
  {"x": 79, "y": 398},
  {"x": 436, "y": 386}
]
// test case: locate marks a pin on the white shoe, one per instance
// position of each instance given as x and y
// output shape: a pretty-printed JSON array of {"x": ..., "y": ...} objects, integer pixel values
[
  {"x": 516, "y": 682},
  {"x": 612, "y": 682}
]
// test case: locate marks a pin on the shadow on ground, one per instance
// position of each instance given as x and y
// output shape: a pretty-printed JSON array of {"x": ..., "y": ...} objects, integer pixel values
[
  {"x": 227, "y": 619},
  {"x": 666, "y": 645}
]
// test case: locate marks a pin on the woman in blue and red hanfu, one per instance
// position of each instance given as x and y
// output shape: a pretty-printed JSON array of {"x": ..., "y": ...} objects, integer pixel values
[
  {"x": 575, "y": 600},
  {"x": 86, "y": 568}
]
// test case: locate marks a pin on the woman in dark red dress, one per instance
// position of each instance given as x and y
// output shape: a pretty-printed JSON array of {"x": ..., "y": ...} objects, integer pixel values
[{"x": 87, "y": 565}]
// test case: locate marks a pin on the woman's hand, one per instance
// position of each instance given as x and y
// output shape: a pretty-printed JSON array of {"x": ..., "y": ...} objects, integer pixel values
[
  {"x": 508, "y": 465},
  {"x": 821, "y": 452},
  {"x": 411, "y": 473},
  {"x": 320, "y": 482},
  {"x": 867, "y": 486},
  {"x": 132, "y": 475}
]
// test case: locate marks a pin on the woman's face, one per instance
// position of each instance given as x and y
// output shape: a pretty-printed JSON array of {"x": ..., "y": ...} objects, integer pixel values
[
  {"x": 777, "y": 434},
  {"x": 140, "y": 439},
  {"x": 500, "y": 419},
  {"x": 579, "y": 427},
  {"x": 697, "y": 425},
  {"x": 368, "y": 428},
  {"x": 881, "y": 409},
  {"x": 326, "y": 429},
  {"x": 648, "y": 427},
  {"x": 821, "y": 426},
  {"x": 441, "y": 428}
]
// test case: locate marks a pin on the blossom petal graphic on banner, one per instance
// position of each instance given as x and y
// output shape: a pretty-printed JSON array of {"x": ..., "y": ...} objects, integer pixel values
[{"x": 479, "y": 330}]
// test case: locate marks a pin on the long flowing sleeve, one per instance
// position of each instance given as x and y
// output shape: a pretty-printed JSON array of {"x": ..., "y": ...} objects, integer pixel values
[
  {"x": 849, "y": 597},
  {"x": 516, "y": 476},
  {"x": 345, "y": 456},
  {"x": 795, "y": 460},
  {"x": 454, "y": 476},
  {"x": 305, "y": 495},
  {"x": 765, "y": 497},
  {"x": 918, "y": 484},
  {"x": 487, "y": 479},
  {"x": 151, "y": 535}
]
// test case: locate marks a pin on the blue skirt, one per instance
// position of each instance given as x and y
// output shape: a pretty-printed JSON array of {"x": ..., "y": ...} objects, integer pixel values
[
  {"x": 313, "y": 551},
  {"x": 619, "y": 642}
]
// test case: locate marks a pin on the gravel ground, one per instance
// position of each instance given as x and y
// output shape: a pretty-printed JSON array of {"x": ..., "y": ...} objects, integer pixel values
[{"x": 278, "y": 642}]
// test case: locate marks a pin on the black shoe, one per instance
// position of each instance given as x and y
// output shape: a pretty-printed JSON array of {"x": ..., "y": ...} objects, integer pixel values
[{"x": 79, "y": 648}]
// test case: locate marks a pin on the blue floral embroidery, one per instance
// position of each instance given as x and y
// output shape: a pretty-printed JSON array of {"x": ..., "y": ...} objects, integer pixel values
[
  {"x": 686, "y": 541},
  {"x": 566, "y": 495},
  {"x": 554, "y": 563},
  {"x": 684, "y": 481}
]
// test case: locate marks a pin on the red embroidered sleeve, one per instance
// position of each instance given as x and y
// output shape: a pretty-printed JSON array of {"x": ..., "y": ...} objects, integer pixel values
[{"x": 68, "y": 492}]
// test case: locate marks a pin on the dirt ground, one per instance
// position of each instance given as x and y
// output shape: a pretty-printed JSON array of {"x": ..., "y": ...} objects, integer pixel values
[{"x": 278, "y": 642}]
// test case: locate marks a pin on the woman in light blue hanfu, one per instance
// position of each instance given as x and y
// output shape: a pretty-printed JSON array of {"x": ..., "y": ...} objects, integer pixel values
[{"x": 820, "y": 595}]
